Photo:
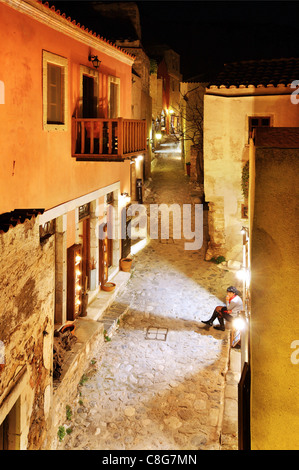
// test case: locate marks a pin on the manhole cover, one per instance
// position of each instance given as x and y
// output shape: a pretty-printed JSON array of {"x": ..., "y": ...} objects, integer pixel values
[{"x": 159, "y": 334}]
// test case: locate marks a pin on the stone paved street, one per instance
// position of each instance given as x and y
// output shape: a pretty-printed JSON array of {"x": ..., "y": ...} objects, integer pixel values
[{"x": 159, "y": 381}]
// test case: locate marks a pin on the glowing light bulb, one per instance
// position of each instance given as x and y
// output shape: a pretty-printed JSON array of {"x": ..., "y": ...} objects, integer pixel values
[{"x": 239, "y": 323}]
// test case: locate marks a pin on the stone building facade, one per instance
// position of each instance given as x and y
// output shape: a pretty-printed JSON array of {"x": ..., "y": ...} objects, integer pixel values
[
  {"x": 168, "y": 71},
  {"x": 191, "y": 127},
  {"x": 27, "y": 276},
  {"x": 242, "y": 97}
]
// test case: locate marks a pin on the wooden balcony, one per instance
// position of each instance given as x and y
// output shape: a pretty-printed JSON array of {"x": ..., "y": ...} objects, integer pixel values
[{"x": 107, "y": 139}]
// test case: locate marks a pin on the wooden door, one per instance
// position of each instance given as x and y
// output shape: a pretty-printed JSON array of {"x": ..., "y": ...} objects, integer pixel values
[
  {"x": 89, "y": 108},
  {"x": 103, "y": 257},
  {"x": 86, "y": 253},
  {"x": 74, "y": 281}
]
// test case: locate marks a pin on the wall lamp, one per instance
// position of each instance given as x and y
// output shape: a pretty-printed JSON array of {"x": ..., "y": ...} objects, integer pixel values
[
  {"x": 244, "y": 275},
  {"x": 239, "y": 322},
  {"x": 95, "y": 60}
]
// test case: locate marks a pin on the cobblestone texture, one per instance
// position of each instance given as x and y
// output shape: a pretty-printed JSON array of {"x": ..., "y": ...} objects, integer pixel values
[{"x": 156, "y": 394}]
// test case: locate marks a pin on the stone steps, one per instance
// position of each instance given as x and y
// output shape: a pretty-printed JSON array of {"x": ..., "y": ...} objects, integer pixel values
[
  {"x": 103, "y": 300},
  {"x": 111, "y": 317}
]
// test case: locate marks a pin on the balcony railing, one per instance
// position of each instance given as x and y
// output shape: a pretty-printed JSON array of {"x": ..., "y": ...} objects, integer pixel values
[{"x": 107, "y": 139}]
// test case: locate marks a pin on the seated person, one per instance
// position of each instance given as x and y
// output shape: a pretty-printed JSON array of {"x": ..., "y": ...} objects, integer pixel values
[{"x": 234, "y": 305}]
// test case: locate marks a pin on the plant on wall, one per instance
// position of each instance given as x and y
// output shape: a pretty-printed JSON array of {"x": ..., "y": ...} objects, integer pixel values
[
  {"x": 245, "y": 179},
  {"x": 190, "y": 110}
]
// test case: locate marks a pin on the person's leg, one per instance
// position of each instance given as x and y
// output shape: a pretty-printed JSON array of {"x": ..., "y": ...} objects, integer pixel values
[
  {"x": 213, "y": 317},
  {"x": 221, "y": 325},
  {"x": 228, "y": 317},
  {"x": 223, "y": 315}
]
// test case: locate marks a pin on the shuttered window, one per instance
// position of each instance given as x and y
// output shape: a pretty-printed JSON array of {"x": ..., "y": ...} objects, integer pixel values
[
  {"x": 114, "y": 97},
  {"x": 55, "y": 93},
  {"x": 55, "y": 82}
]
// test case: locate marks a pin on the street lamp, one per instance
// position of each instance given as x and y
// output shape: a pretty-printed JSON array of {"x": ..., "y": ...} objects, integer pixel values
[{"x": 95, "y": 60}]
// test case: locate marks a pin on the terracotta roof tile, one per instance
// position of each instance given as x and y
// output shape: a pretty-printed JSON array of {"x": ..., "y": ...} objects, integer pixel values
[
  {"x": 270, "y": 72},
  {"x": 18, "y": 216},
  {"x": 74, "y": 22}
]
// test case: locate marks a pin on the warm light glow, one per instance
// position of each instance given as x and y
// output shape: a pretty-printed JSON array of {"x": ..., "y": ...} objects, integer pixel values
[
  {"x": 244, "y": 230},
  {"x": 78, "y": 272},
  {"x": 239, "y": 323},
  {"x": 158, "y": 136},
  {"x": 78, "y": 259},
  {"x": 138, "y": 246},
  {"x": 171, "y": 111},
  {"x": 124, "y": 199},
  {"x": 139, "y": 158},
  {"x": 78, "y": 288},
  {"x": 78, "y": 302},
  {"x": 243, "y": 275}
]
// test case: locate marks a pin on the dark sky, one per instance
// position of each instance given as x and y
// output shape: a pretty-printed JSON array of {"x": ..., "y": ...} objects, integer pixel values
[{"x": 209, "y": 33}]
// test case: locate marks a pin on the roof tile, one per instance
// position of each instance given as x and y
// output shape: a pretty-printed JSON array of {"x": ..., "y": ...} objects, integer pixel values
[
  {"x": 258, "y": 72},
  {"x": 17, "y": 216}
]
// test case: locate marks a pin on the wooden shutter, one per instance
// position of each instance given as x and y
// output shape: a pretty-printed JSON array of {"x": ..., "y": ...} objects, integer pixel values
[
  {"x": 113, "y": 100},
  {"x": 55, "y": 94}
]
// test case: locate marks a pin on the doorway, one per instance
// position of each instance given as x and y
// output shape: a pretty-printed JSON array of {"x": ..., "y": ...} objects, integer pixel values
[
  {"x": 84, "y": 235},
  {"x": 104, "y": 255},
  {"x": 83, "y": 238},
  {"x": 10, "y": 429},
  {"x": 89, "y": 98},
  {"x": 108, "y": 249}
]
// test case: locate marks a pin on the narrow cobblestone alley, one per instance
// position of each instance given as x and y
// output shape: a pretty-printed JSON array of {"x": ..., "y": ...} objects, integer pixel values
[{"x": 158, "y": 383}]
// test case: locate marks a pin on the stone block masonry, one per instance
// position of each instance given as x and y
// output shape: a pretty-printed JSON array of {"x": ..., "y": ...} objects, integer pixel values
[{"x": 27, "y": 279}]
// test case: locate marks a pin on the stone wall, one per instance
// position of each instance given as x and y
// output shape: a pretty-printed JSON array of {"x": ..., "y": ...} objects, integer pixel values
[
  {"x": 193, "y": 162},
  {"x": 274, "y": 305},
  {"x": 27, "y": 279},
  {"x": 90, "y": 340},
  {"x": 226, "y": 150},
  {"x": 142, "y": 109},
  {"x": 156, "y": 86}
]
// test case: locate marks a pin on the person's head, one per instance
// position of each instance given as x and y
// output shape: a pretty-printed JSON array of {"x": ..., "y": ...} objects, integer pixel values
[{"x": 231, "y": 291}]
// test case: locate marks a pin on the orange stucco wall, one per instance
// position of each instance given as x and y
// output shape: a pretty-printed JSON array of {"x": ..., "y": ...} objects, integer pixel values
[{"x": 37, "y": 169}]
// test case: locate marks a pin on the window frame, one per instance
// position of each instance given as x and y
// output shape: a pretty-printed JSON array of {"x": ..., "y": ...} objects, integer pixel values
[
  {"x": 62, "y": 62},
  {"x": 95, "y": 75},
  {"x": 115, "y": 81},
  {"x": 259, "y": 117}
]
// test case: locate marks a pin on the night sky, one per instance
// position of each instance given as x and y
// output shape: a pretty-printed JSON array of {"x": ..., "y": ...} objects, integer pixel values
[{"x": 208, "y": 34}]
